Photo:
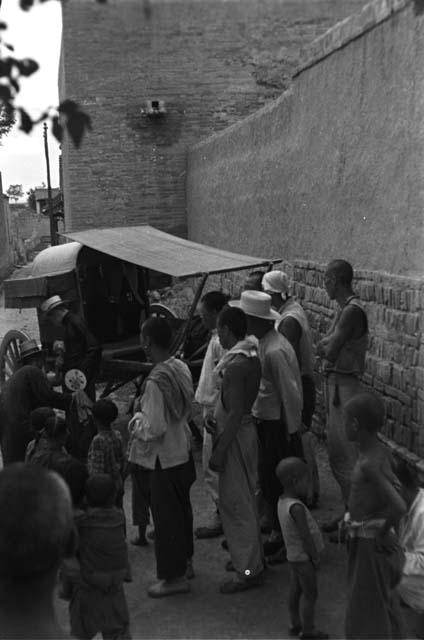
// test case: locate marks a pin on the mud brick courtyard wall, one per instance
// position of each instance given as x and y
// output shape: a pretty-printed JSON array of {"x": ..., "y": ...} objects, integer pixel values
[
  {"x": 331, "y": 169},
  {"x": 211, "y": 61}
]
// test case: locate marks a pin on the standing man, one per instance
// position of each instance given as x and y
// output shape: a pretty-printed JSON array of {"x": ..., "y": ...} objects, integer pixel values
[
  {"x": 160, "y": 442},
  {"x": 235, "y": 454},
  {"x": 207, "y": 394},
  {"x": 253, "y": 281},
  {"x": 294, "y": 325},
  {"x": 343, "y": 354},
  {"x": 26, "y": 389},
  {"x": 82, "y": 349},
  {"x": 278, "y": 407}
]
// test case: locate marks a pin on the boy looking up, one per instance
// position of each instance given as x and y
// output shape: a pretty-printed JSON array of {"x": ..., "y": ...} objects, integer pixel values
[
  {"x": 304, "y": 544},
  {"x": 375, "y": 508}
]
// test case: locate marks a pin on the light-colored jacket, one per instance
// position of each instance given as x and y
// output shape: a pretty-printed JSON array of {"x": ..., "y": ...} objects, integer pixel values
[
  {"x": 411, "y": 538},
  {"x": 207, "y": 392}
]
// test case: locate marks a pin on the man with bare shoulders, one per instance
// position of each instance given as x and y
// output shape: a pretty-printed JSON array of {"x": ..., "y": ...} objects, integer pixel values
[
  {"x": 375, "y": 509},
  {"x": 36, "y": 533},
  {"x": 343, "y": 354}
]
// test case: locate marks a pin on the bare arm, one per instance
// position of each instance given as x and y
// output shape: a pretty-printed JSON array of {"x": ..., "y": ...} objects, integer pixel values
[
  {"x": 291, "y": 329},
  {"x": 298, "y": 513},
  {"x": 233, "y": 382}
]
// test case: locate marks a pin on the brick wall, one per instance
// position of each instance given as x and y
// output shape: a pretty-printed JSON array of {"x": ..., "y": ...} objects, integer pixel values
[
  {"x": 334, "y": 167},
  {"x": 212, "y": 62}
]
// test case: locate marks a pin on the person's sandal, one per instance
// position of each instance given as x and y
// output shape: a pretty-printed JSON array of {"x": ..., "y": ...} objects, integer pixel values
[
  {"x": 139, "y": 541},
  {"x": 165, "y": 588},
  {"x": 236, "y": 586},
  {"x": 294, "y": 630},
  {"x": 314, "y": 635}
]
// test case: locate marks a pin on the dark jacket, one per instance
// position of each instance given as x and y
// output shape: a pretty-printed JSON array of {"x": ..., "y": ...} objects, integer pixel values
[
  {"x": 25, "y": 390},
  {"x": 82, "y": 350}
]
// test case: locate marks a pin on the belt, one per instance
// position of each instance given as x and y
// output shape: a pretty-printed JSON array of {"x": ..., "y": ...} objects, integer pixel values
[{"x": 363, "y": 529}]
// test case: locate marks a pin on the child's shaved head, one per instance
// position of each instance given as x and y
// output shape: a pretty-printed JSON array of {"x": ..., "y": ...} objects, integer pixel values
[
  {"x": 367, "y": 409},
  {"x": 36, "y": 522},
  {"x": 291, "y": 470}
]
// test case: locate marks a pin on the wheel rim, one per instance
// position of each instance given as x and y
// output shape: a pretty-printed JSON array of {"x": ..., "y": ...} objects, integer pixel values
[{"x": 10, "y": 354}]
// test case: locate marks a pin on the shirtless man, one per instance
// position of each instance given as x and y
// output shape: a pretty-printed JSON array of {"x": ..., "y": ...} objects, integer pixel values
[
  {"x": 36, "y": 532},
  {"x": 343, "y": 361},
  {"x": 375, "y": 509}
]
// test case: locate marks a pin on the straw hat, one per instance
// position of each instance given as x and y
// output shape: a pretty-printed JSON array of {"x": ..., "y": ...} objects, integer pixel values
[
  {"x": 52, "y": 303},
  {"x": 276, "y": 282},
  {"x": 28, "y": 348},
  {"x": 256, "y": 304}
]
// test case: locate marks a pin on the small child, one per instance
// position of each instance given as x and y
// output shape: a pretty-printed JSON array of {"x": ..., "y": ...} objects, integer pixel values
[
  {"x": 38, "y": 424},
  {"x": 106, "y": 450},
  {"x": 375, "y": 509},
  {"x": 98, "y": 602},
  {"x": 304, "y": 544}
]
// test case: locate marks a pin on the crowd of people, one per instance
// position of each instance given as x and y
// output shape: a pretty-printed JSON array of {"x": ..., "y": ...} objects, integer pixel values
[{"x": 67, "y": 475}]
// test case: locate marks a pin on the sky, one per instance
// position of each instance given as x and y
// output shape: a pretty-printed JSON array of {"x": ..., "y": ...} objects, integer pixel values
[{"x": 34, "y": 34}]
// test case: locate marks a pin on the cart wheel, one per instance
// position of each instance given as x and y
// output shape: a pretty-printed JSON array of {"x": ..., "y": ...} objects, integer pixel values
[
  {"x": 160, "y": 311},
  {"x": 9, "y": 354}
]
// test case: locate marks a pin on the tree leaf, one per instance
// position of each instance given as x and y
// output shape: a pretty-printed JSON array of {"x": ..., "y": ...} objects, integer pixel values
[
  {"x": 26, "y": 4},
  {"x": 77, "y": 123},
  {"x": 3, "y": 25},
  {"x": 26, "y": 121},
  {"x": 6, "y": 67},
  {"x": 27, "y": 66},
  {"x": 10, "y": 47},
  {"x": 5, "y": 94},
  {"x": 57, "y": 129},
  {"x": 68, "y": 107}
]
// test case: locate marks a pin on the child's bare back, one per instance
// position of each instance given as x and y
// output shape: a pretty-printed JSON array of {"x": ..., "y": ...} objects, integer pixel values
[{"x": 366, "y": 499}]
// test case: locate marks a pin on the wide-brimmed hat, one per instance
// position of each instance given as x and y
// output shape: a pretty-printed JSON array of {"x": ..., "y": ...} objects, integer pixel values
[
  {"x": 52, "y": 303},
  {"x": 28, "y": 348},
  {"x": 276, "y": 282},
  {"x": 256, "y": 304}
]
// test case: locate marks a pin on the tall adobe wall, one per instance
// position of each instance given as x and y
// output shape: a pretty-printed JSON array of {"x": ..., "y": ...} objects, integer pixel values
[{"x": 211, "y": 61}]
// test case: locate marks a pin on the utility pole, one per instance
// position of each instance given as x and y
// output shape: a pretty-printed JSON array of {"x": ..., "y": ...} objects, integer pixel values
[{"x": 53, "y": 221}]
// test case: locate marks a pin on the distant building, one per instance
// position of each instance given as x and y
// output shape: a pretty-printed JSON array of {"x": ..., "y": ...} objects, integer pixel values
[
  {"x": 155, "y": 85},
  {"x": 41, "y": 198}
]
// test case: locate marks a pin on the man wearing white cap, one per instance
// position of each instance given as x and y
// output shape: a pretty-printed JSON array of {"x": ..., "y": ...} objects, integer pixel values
[
  {"x": 294, "y": 325},
  {"x": 278, "y": 407},
  {"x": 82, "y": 350}
]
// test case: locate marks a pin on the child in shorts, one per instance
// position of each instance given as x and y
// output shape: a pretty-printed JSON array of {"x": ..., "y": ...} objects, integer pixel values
[{"x": 304, "y": 544}]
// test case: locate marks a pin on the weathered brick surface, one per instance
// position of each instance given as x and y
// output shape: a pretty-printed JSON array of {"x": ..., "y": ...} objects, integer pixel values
[{"x": 211, "y": 61}]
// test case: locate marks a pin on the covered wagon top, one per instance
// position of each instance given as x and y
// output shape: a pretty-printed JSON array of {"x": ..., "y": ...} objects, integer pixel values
[{"x": 151, "y": 248}]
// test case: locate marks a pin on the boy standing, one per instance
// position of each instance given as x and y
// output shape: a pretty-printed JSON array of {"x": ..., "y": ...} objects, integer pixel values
[
  {"x": 375, "y": 506},
  {"x": 106, "y": 451},
  {"x": 304, "y": 544}
]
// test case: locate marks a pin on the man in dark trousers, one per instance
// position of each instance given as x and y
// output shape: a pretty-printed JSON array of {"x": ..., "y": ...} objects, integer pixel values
[
  {"x": 82, "y": 349},
  {"x": 27, "y": 389}
]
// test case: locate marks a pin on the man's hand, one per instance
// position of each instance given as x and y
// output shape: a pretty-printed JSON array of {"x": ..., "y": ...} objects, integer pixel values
[
  {"x": 210, "y": 424},
  {"x": 315, "y": 561}
]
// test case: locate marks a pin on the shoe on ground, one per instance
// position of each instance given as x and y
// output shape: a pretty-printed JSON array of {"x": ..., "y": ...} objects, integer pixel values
[
  {"x": 150, "y": 535},
  {"x": 314, "y": 635},
  {"x": 229, "y": 566},
  {"x": 331, "y": 525},
  {"x": 164, "y": 588},
  {"x": 337, "y": 538},
  {"x": 274, "y": 543},
  {"x": 280, "y": 557},
  {"x": 236, "y": 586},
  {"x": 294, "y": 630},
  {"x": 209, "y": 532},
  {"x": 139, "y": 541},
  {"x": 190, "y": 570},
  {"x": 224, "y": 545}
]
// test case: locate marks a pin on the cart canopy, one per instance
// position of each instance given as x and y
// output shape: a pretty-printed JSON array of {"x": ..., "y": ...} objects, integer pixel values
[{"x": 154, "y": 249}]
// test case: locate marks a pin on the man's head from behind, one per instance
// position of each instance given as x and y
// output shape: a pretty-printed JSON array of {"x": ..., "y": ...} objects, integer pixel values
[
  {"x": 36, "y": 524},
  {"x": 293, "y": 475},
  {"x": 253, "y": 281},
  {"x": 363, "y": 415},
  {"x": 338, "y": 277},
  {"x": 211, "y": 305},
  {"x": 104, "y": 413},
  {"x": 232, "y": 326}
]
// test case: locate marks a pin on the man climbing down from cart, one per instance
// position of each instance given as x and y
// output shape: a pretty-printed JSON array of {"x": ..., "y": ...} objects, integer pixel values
[{"x": 79, "y": 362}]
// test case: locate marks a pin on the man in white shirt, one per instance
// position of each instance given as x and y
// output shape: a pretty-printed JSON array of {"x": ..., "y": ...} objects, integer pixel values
[
  {"x": 278, "y": 407},
  {"x": 207, "y": 394},
  {"x": 160, "y": 442}
]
